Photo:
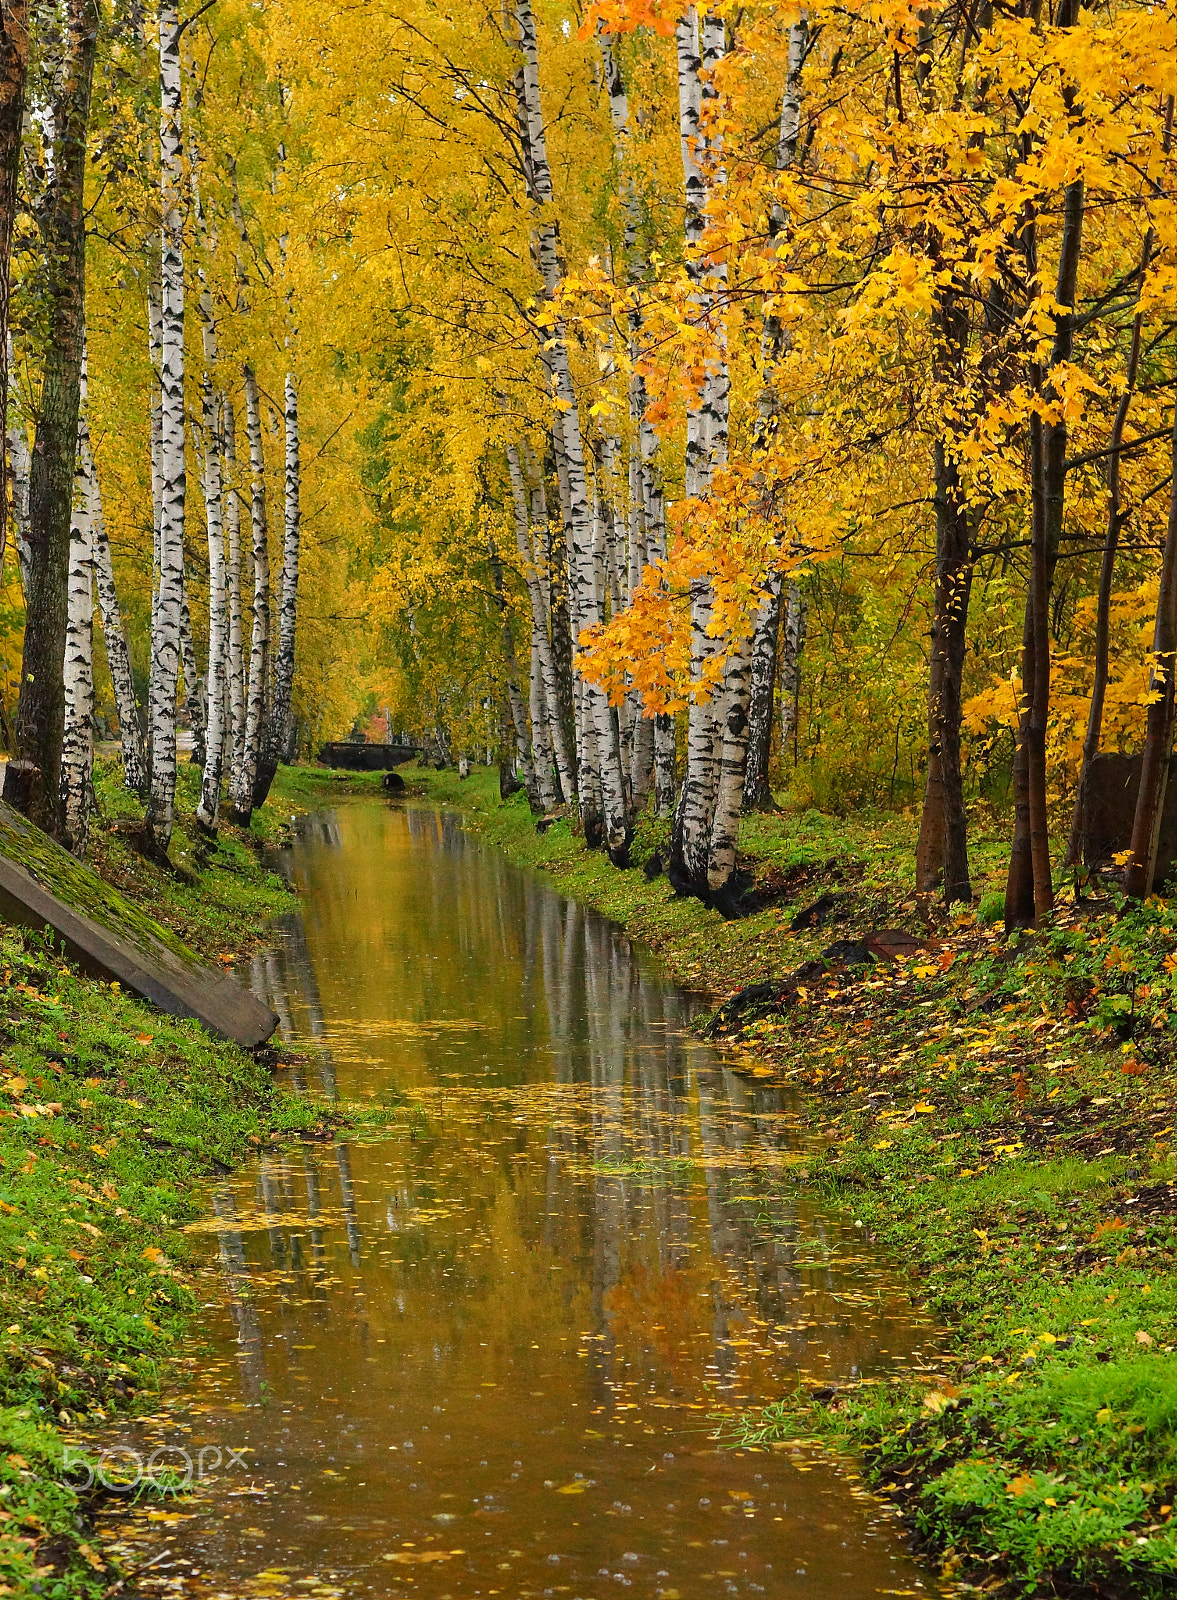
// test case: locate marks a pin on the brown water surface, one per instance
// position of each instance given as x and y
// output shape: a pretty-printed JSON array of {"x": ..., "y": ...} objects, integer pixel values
[{"x": 482, "y": 1349}]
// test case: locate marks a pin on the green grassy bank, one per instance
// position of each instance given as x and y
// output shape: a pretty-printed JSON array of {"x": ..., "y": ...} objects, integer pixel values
[
  {"x": 1000, "y": 1115},
  {"x": 110, "y": 1113}
]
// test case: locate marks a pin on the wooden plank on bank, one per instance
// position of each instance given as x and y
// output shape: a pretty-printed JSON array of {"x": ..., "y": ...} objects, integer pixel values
[{"x": 42, "y": 886}]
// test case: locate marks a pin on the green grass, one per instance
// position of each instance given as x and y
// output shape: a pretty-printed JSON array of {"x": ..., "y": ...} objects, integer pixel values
[
  {"x": 998, "y": 1115},
  {"x": 110, "y": 1112}
]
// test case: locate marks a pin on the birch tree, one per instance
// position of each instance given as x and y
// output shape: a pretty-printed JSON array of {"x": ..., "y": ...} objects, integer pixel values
[
  {"x": 242, "y": 785},
  {"x": 33, "y": 783},
  {"x": 118, "y": 656},
  {"x": 278, "y": 731},
  {"x": 77, "y": 747},
  {"x": 235, "y": 665},
  {"x": 597, "y": 721},
  {"x": 14, "y": 68},
  {"x": 165, "y": 640}
]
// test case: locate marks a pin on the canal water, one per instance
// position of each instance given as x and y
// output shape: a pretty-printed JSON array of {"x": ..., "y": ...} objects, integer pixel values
[{"x": 482, "y": 1344}]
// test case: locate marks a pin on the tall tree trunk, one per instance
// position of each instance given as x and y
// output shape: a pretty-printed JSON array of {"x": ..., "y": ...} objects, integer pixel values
[
  {"x": 665, "y": 759},
  {"x": 241, "y": 792},
  {"x": 235, "y": 665},
  {"x": 765, "y": 640},
  {"x": 278, "y": 731},
  {"x": 165, "y": 641},
  {"x": 773, "y": 343},
  {"x": 209, "y": 809},
  {"x": 34, "y": 782},
  {"x": 194, "y": 686},
  {"x": 584, "y": 602},
  {"x": 1029, "y": 892},
  {"x": 1140, "y": 878},
  {"x": 118, "y": 655},
  {"x": 942, "y": 849},
  {"x": 729, "y": 800},
  {"x": 1115, "y": 521},
  {"x": 539, "y": 621},
  {"x": 513, "y": 698},
  {"x": 77, "y": 746},
  {"x": 796, "y": 621},
  {"x": 20, "y": 467},
  {"x": 14, "y": 68}
]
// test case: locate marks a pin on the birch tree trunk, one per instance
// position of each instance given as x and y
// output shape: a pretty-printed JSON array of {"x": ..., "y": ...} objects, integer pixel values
[
  {"x": 14, "y": 68},
  {"x": 729, "y": 800},
  {"x": 515, "y": 707},
  {"x": 165, "y": 640},
  {"x": 773, "y": 343},
  {"x": 118, "y": 655},
  {"x": 539, "y": 622},
  {"x": 765, "y": 641},
  {"x": 241, "y": 794},
  {"x": 706, "y": 446},
  {"x": 235, "y": 731},
  {"x": 193, "y": 677},
  {"x": 20, "y": 466},
  {"x": 208, "y": 811},
  {"x": 33, "y": 783},
  {"x": 583, "y": 599},
  {"x": 77, "y": 745},
  {"x": 155, "y": 351},
  {"x": 278, "y": 730}
]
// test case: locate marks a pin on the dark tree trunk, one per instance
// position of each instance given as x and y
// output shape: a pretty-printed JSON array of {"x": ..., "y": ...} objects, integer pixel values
[
  {"x": 1029, "y": 889},
  {"x": 1115, "y": 520},
  {"x": 942, "y": 854},
  {"x": 765, "y": 644},
  {"x": 14, "y": 67},
  {"x": 41, "y": 711},
  {"x": 1158, "y": 738}
]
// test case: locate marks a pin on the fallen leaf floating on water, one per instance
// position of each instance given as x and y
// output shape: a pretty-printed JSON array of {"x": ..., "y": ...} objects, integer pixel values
[{"x": 407, "y": 1558}]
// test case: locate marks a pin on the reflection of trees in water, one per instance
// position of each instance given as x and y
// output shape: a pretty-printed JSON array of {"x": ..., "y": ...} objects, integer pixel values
[
  {"x": 236, "y": 1272},
  {"x": 347, "y": 1190},
  {"x": 655, "y": 1147}
]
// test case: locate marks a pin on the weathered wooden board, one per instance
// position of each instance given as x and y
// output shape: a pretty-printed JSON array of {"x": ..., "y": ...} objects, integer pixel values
[
  {"x": 43, "y": 886},
  {"x": 355, "y": 757}
]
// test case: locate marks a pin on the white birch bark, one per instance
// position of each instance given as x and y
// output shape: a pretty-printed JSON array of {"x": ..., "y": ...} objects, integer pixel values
[
  {"x": 155, "y": 352},
  {"x": 773, "y": 342},
  {"x": 235, "y": 665},
  {"x": 209, "y": 809},
  {"x": 77, "y": 745},
  {"x": 193, "y": 677},
  {"x": 165, "y": 640},
  {"x": 582, "y": 590},
  {"x": 279, "y": 725},
  {"x": 729, "y": 799},
  {"x": 541, "y": 738},
  {"x": 541, "y": 643},
  {"x": 118, "y": 655},
  {"x": 241, "y": 793},
  {"x": 19, "y": 464},
  {"x": 690, "y": 102}
]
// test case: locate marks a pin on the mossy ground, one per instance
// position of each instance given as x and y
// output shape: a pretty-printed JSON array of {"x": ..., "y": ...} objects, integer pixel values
[
  {"x": 109, "y": 1114},
  {"x": 1000, "y": 1115}
]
